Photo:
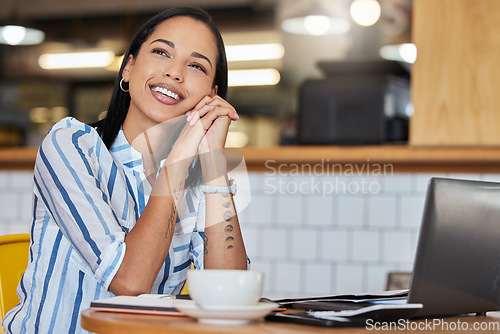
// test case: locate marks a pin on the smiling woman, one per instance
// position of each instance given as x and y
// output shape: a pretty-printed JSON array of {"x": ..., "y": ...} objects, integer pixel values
[
  {"x": 175, "y": 60},
  {"x": 121, "y": 207}
]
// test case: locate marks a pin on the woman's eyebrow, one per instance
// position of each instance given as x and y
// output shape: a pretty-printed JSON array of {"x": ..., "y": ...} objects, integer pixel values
[
  {"x": 164, "y": 41},
  {"x": 199, "y": 55},
  {"x": 172, "y": 45}
]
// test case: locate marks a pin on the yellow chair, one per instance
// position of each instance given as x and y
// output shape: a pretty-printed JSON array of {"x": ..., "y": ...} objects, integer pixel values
[
  {"x": 14, "y": 250},
  {"x": 185, "y": 290}
]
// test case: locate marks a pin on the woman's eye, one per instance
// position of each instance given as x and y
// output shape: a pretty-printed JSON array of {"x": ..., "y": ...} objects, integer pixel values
[
  {"x": 199, "y": 67},
  {"x": 162, "y": 52}
]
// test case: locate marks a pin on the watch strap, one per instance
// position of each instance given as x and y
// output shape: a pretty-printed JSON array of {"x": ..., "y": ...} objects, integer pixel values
[{"x": 231, "y": 189}]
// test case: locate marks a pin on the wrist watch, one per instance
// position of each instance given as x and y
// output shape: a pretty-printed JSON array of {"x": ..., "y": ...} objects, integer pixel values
[{"x": 230, "y": 189}]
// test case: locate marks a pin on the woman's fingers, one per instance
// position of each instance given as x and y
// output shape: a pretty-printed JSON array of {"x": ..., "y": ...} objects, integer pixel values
[
  {"x": 204, "y": 101},
  {"x": 193, "y": 118},
  {"x": 210, "y": 115},
  {"x": 207, "y": 120},
  {"x": 208, "y": 104}
]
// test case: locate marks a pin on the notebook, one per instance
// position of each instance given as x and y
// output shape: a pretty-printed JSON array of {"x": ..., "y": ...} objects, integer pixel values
[
  {"x": 156, "y": 304},
  {"x": 457, "y": 264}
]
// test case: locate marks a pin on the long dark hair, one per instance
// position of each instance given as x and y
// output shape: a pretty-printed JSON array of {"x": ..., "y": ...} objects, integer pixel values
[{"x": 109, "y": 127}]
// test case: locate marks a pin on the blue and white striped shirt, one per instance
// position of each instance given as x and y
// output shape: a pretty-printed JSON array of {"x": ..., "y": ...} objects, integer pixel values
[{"x": 86, "y": 199}]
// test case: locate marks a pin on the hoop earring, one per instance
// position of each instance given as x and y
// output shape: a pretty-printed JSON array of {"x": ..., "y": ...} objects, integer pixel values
[{"x": 121, "y": 86}]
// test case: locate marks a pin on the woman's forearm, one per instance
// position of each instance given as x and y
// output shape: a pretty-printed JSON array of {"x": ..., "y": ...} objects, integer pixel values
[
  {"x": 223, "y": 242},
  {"x": 148, "y": 243}
]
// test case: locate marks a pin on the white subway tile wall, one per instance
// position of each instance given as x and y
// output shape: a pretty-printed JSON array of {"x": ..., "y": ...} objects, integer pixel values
[
  {"x": 318, "y": 235},
  {"x": 16, "y": 193}
]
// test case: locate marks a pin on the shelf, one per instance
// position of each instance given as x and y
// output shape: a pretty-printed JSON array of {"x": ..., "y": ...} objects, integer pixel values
[
  {"x": 17, "y": 158},
  {"x": 400, "y": 158}
]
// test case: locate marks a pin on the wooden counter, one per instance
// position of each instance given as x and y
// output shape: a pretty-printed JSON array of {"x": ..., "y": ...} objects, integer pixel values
[
  {"x": 17, "y": 158},
  {"x": 400, "y": 158}
]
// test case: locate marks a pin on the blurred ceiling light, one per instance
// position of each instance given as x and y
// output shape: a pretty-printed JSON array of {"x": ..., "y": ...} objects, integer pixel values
[
  {"x": 234, "y": 53},
  {"x": 316, "y": 25},
  {"x": 44, "y": 114},
  {"x": 406, "y": 52},
  {"x": 317, "y": 20},
  {"x": 39, "y": 115},
  {"x": 58, "y": 113},
  {"x": 250, "y": 52},
  {"x": 53, "y": 61},
  {"x": 256, "y": 77},
  {"x": 116, "y": 64},
  {"x": 19, "y": 35},
  {"x": 365, "y": 12}
]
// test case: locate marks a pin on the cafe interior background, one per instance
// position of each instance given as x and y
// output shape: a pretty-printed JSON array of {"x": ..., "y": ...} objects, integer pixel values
[{"x": 311, "y": 229}]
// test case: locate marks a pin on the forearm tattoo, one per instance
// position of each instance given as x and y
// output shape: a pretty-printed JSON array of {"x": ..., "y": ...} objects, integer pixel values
[
  {"x": 177, "y": 193},
  {"x": 229, "y": 240},
  {"x": 171, "y": 221},
  {"x": 228, "y": 217},
  {"x": 228, "y": 229}
]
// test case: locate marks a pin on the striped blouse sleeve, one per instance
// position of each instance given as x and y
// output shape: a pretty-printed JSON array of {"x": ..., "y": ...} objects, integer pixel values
[
  {"x": 197, "y": 245},
  {"x": 69, "y": 180}
]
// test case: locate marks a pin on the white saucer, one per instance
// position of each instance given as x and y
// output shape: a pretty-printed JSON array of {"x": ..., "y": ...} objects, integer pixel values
[{"x": 229, "y": 315}]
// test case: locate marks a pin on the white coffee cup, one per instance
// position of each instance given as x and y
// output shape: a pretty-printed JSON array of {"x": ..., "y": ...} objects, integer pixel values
[{"x": 218, "y": 287}]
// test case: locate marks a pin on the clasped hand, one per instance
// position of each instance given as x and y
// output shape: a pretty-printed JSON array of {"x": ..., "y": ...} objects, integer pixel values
[
  {"x": 206, "y": 130},
  {"x": 214, "y": 114}
]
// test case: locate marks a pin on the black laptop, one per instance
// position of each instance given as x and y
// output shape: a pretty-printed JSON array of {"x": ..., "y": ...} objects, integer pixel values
[{"x": 457, "y": 264}]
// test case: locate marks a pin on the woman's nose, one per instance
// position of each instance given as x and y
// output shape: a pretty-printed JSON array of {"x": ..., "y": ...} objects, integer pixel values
[
  {"x": 174, "y": 76},
  {"x": 174, "y": 72}
]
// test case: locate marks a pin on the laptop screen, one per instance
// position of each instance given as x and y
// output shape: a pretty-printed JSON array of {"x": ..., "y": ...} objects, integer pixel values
[{"x": 457, "y": 265}]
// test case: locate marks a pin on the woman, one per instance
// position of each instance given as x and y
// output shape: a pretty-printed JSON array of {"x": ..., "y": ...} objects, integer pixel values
[{"x": 114, "y": 213}]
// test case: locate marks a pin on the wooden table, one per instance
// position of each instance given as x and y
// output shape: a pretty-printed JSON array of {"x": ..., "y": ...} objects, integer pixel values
[{"x": 107, "y": 322}]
